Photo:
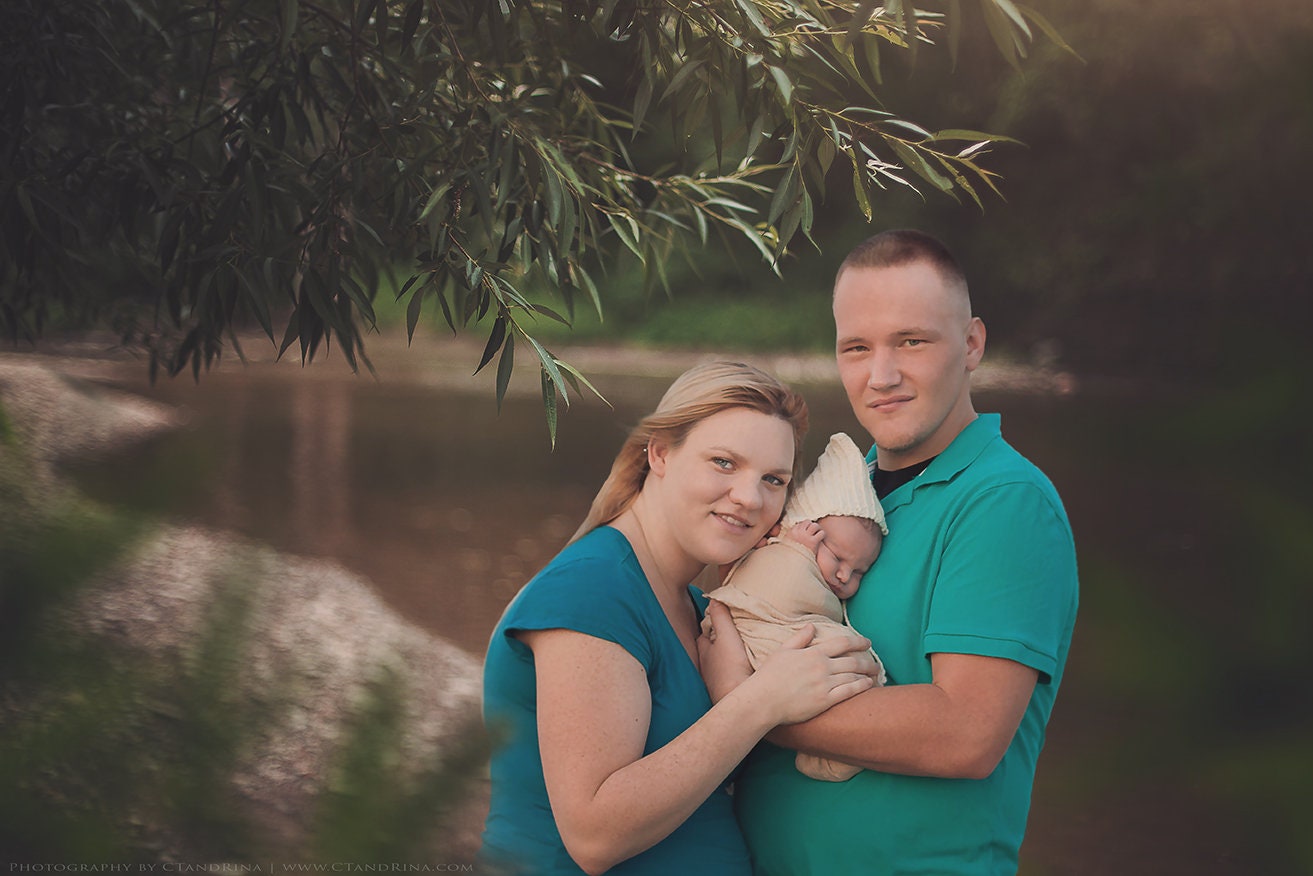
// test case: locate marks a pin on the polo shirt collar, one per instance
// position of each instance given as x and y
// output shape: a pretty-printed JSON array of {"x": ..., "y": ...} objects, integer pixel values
[{"x": 965, "y": 448}]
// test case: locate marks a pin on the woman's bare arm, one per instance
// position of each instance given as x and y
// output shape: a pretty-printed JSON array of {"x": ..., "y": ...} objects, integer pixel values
[{"x": 594, "y": 708}]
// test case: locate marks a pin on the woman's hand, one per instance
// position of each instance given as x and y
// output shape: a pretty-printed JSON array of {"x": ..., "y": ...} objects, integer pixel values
[{"x": 803, "y": 679}]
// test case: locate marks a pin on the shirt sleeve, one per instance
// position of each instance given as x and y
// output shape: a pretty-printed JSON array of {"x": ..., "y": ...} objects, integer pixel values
[
  {"x": 592, "y": 595},
  {"x": 1007, "y": 584}
]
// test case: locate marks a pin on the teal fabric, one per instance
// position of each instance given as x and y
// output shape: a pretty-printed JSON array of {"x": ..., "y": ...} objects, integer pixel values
[
  {"x": 979, "y": 560},
  {"x": 595, "y": 586}
]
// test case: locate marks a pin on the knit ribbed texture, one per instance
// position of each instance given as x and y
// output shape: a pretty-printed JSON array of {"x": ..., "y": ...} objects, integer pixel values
[{"x": 839, "y": 486}]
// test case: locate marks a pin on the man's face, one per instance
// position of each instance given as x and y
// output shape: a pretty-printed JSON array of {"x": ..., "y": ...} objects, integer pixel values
[{"x": 906, "y": 347}]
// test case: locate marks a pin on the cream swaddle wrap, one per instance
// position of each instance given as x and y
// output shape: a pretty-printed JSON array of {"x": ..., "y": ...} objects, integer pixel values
[{"x": 777, "y": 588}]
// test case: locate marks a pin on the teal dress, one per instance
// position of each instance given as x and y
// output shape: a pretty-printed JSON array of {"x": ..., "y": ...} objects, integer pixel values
[{"x": 595, "y": 586}]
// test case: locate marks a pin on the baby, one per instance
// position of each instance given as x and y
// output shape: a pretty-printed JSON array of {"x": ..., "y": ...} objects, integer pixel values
[{"x": 832, "y": 530}]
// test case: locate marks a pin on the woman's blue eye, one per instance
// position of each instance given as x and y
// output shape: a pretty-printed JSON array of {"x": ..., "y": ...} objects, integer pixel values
[
  {"x": 722, "y": 462},
  {"x": 775, "y": 481}
]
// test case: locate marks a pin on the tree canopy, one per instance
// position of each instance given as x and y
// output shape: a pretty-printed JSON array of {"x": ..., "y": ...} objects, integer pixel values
[{"x": 185, "y": 169}]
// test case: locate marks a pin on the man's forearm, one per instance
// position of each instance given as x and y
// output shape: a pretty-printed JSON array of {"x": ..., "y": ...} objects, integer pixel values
[
  {"x": 957, "y": 727},
  {"x": 887, "y": 729}
]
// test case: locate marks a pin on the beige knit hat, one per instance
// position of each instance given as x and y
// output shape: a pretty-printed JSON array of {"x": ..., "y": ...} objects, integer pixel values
[{"x": 839, "y": 486}]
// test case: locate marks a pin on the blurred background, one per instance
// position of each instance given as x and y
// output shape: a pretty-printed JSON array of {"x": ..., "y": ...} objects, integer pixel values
[{"x": 1147, "y": 281}]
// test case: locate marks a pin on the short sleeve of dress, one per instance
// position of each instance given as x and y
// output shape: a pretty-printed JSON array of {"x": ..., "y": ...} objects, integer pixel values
[
  {"x": 1007, "y": 584},
  {"x": 595, "y": 587}
]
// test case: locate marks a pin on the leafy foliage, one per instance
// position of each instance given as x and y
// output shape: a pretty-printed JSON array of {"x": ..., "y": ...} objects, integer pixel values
[
  {"x": 185, "y": 169},
  {"x": 110, "y": 754},
  {"x": 380, "y": 806}
]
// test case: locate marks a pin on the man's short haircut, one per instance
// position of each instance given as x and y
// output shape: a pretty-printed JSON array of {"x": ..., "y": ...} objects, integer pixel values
[{"x": 901, "y": 246}]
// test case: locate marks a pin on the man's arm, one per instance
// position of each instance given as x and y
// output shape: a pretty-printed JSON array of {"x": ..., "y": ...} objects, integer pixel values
[{"x": 958, "y": 726}]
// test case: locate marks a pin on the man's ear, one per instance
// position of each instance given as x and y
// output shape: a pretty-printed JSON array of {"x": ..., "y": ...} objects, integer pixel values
[{"x": 975, "y": 342}]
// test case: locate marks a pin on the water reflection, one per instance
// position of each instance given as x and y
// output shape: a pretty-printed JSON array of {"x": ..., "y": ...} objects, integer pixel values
[{"x": 1182, "y": 730}]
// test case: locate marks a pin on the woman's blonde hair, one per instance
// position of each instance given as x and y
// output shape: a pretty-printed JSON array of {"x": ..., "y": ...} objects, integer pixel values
[{"x": 698, "y": 393}]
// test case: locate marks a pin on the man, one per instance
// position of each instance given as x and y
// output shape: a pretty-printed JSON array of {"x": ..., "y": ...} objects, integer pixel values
[{"x": 970, "y": 606}]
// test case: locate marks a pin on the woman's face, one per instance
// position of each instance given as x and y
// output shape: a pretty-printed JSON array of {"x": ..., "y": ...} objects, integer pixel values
[{"x": 724, "y": 487}]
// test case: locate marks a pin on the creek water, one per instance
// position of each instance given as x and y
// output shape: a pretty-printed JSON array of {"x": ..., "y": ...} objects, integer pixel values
[{"x": 1173, "y": 740}]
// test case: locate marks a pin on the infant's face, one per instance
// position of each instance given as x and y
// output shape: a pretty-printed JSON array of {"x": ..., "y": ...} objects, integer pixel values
[{"x": 847, "y": 552}]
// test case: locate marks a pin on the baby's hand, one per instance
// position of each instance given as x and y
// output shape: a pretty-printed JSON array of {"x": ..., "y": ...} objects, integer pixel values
[
  {"x": 808, "y": 533},
  {"x": 773, "y": 533}
]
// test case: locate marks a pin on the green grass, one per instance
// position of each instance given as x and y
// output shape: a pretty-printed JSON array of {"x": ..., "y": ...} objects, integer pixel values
[{"x": 717, "y": 311}]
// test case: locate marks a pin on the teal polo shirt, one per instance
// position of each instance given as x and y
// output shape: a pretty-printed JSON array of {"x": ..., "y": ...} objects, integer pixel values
[{"x": 979, "y": 560}]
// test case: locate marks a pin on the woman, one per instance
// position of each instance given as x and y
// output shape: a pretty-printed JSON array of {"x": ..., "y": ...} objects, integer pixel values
[{"x": 614, "y": 758}]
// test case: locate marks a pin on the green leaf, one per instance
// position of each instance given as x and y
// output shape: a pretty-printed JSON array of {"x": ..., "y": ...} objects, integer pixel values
[
  {"x": 916, "y": 163},
  {"x": 628, "y": 235},
  {"x": 554, "y": 195},
  {"x": 504, "y": 367},
  {"x": 681, "y": 76},
  {"x": 1011, "y": 11},
  {"x": 754, "y": 237},
  {"x": 442, "y": 300},
  {"x": 825, "y": 152},
  {"x": 732, "y": 205},
  {"x": 291, "y": 333},
  {"x": 411, "y": 21},
  {"x": 861, "y": 15},
  {"x": 495, "y": 339},
  {"x": 549, "y": 366},
  {"x": 782, "y": 82},
  {"x": 753, "y": 15},
  {"x": 592, "y": 289},
  {"x": 965, "y": 134},
  {"x": 1002, "y": 33},
  {"x": 434, "y": 199},
  {"x": 789, "y": 225},
  {"x": 808, "y": 217},
  {"x": 1048, "y": 30},
  {"x": 859, "y": 189},
  {"x": 910, "y": 126},
  {"x": 912, "y": 26},
  {"x": 570, "y": 370},
  {"x": 565, "y": 229},
  {"x": 549, "y": 405},
  {"x": 413, "y": 311},
  {"x": 786, "y": 195},
  {"x": 508, "y": 162},
  {"x": 289, "y": 9},
  {"x": 414, "y": 278},
  {"x": 259, "y": 306},
  {"x": 642, "y": 99},
  {"x": 548, "y": 312},
  {"x": 483, "y": 200}
]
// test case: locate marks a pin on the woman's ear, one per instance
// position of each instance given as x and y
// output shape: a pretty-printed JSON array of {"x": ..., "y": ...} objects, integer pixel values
[{"x": 657, "y": 451}]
